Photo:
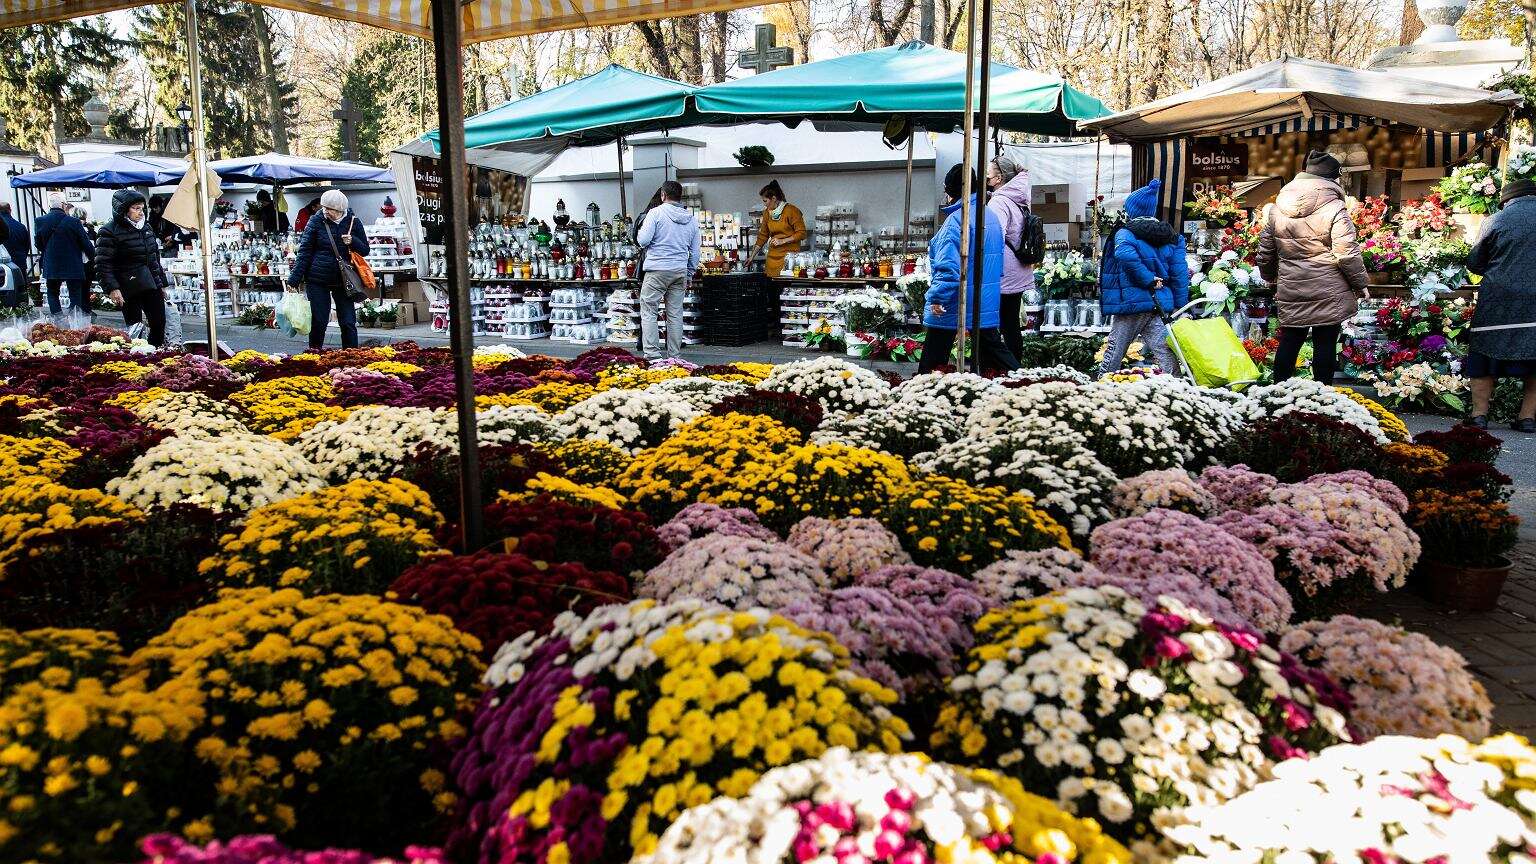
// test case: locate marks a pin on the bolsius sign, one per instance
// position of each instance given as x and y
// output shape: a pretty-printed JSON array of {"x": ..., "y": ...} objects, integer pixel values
[{"x": 1211, "y": 158}]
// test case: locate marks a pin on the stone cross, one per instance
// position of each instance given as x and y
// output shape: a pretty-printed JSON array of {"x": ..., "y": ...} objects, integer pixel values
[
  {"x": 766, "y": 56},
  {"x": 348, "y": 117}
]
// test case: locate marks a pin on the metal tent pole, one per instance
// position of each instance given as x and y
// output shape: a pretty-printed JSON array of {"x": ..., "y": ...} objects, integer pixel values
[
  {"x": 906, "y": 210},
  {"x": 623, "y": 204},
  {"x": 448, "y": 42},
  {"x": 979, "y": 260},
  {"x": 200, "y": 165},
  {"x": 967, "y": 170}
]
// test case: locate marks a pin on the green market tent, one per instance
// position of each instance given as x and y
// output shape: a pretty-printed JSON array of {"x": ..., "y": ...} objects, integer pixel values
[
  {"x": 597, "y": 109},
  {"x": 916, "y": 81}
]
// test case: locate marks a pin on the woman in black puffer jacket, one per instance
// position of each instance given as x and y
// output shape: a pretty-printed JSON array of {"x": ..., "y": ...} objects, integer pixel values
[
  {"x": 334, "y": 231},
  {"x": 128, "y": 264}
]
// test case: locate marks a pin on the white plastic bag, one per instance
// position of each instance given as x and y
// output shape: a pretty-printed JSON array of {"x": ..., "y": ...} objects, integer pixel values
[
  {"x": 293, "y": 314},
  {"x": 172, "y": 325}
]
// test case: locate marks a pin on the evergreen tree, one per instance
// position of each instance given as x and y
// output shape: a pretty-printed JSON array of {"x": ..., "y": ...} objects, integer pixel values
[
  {"x": 385, "y": 85},
  {"x": 47, "y": 78},
  {"x": 235, "y": 95}
]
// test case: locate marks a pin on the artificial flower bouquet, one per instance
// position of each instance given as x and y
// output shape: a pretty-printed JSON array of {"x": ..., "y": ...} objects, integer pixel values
[
  {"x": 1383, "y": 253},
  {"x": 1068, "y": 275},
  {"x": 896, "y": 349},
  {"x": 914, "y": 289},
  {"x": 1424, "y": 218},
  {"x": 1217, "y": 206},
  {"x": 1420, "y": 386},
  {"x": 870, "y": 310},
  {"x": 1243, "y": 238},
  {"x": 1522, "y": 164},
  {"x": 1472, "y": 188},
  {"x": 1229, "y": 280}
]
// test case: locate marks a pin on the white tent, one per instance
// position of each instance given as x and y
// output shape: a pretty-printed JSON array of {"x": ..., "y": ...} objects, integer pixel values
[{"x": 1291, "y": 89}]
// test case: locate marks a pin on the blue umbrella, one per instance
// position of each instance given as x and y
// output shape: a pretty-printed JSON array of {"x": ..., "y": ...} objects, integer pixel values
[
  {"x": 281, "y": 168},
  {"x": 105, "y": 172}
]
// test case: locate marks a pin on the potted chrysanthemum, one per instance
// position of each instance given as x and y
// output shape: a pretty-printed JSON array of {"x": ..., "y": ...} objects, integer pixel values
[{"x": 1466, "y": 537}]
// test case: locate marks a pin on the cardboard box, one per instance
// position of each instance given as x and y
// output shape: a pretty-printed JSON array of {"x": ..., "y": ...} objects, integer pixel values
[
  {"x": 1419, "y": 182},
  {"x": 1051, "y": 213}
]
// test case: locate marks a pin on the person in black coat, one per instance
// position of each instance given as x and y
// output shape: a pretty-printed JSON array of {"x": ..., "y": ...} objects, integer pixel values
[
  {"x": 17, "y": 240},
  {"x": 65, "y": 247},
  {"x": 128, "y": 264},
  {"x": 334, "y": 230}
]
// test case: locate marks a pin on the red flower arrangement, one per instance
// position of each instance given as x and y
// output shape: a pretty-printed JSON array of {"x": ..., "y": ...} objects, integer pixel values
[
  {"x": 130, "y": 577},
  {"x": 497, "y": 596},
  {"x": 1462, "y": 443},
  {"x": 1297, "y": 445},
  {"x": 549, "y": 529},
  {"x": 502, "y": 469},
  {"x": 791, "y": 409}
]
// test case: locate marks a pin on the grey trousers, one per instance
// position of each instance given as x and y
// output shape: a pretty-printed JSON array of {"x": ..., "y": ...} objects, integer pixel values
[
  {"x": 662, "y": 286},
  {"x": 1149, "y": 327}
]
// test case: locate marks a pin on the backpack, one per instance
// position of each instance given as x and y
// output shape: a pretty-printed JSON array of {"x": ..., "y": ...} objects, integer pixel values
[{"x": 1031, "y": 248}]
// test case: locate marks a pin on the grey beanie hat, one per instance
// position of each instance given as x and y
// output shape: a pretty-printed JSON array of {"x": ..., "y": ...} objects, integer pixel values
[{"x": 1006, "y": 166}]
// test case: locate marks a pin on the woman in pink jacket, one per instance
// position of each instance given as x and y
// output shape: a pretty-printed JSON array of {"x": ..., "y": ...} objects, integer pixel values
[{"x": 1009, "y": 201}]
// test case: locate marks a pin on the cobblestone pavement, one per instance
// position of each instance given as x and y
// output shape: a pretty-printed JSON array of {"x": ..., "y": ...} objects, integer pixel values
[{"x": 1500, "y": 645}]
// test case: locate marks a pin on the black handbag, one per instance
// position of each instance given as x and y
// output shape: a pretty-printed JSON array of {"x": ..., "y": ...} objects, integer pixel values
[{"x": 350, "y": 278}]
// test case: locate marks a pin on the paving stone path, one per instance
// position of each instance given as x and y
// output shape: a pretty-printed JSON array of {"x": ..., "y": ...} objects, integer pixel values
[{"x": 1500, "y": 645}]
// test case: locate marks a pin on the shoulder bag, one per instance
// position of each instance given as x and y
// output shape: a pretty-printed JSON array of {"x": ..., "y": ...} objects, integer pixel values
[{"x": 351, "y": 279}]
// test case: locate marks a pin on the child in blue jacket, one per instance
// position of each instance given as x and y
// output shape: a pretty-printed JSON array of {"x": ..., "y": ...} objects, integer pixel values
[{"x": 1144, "y": 272}]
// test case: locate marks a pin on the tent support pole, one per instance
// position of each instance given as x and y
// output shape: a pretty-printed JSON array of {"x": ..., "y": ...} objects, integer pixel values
[
  {"x": 200, "y": 165},
  {"x": 906, "y": 210},
  {"x": 983, "y": 119},
  {"x": 623, "y": 204},
  {"x": 967, "y": 169},
  {"x": 448, "y": 44}
]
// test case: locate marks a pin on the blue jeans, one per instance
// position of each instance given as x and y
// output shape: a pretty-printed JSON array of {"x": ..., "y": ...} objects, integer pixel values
[
  {"x": 320, "y": 299},
  {"x": 79, "y": 296}
]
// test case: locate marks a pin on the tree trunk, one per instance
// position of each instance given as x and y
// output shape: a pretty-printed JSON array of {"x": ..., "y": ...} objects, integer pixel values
[
  {"x": 1413, "y": 25},
  {"x": 718, "y": 48},
  {"x": 656, "y": 43},
  {"x": 276, "y": 117},
  {"x": 690, "y": 53}
]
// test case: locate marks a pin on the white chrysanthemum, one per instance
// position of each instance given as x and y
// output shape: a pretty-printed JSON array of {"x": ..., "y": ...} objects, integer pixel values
[
  {"x": 628, "y": 419},
  {"x": 374, "y": 441},
  {"x": 1311, "y": 397},
  {"x": 235, "y": 473},
  {"x": 702, "y": 393},
  {"x": 837, "y": 384}
]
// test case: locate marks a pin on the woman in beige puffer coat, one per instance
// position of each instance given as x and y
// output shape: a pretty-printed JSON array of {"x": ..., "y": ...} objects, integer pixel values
[{"x": 1309, "y": 248}]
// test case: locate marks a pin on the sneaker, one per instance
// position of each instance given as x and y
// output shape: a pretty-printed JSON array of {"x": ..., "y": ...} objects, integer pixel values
[
  {"x": 1478, "y": 422},
  {"x": 1524, "y": 424}
]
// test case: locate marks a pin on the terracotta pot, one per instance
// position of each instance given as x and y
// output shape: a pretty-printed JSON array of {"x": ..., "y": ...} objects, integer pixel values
[{"x": 1465, "y": 589}]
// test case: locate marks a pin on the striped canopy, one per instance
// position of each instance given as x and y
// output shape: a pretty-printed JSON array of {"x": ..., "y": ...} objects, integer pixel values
[{"x": 483, "y": 19}]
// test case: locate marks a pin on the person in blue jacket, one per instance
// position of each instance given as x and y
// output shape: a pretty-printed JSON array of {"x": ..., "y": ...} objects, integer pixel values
[
  {"x": 939, "y": 319},
  {"x": 336, "y": 230},
  {"x": 64, "y": 247},
  {"x": 1143, "y": 276}
]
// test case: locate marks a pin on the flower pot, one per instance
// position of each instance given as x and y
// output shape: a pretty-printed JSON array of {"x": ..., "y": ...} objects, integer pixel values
[
  {"x": 1465, "y": 589},
  {"x": 1469, "y": 225},
  {"x": 855, "y": 349},
  {"x": 387, "y": 325}
]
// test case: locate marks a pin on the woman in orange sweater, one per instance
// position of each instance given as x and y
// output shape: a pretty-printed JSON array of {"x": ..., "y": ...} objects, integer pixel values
[{"x": 782, "y": 230}]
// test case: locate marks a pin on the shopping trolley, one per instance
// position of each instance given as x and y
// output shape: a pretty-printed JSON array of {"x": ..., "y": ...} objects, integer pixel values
[{"x": 1208, "y": 349}]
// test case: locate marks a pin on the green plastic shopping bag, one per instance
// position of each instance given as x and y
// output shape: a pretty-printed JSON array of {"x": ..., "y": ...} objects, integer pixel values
[
  {"x": 293, "y": 317},
  {"x": 1215, "y": 355}
]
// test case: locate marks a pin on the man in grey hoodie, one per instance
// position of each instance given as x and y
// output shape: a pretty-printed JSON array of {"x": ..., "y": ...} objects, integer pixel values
[{"x": 670, "y": 238}]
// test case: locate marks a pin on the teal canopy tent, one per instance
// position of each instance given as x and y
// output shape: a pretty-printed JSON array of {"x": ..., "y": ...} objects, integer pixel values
[
  {"x": 597, "y": 109},
  {"x": 915, "y": 81}
]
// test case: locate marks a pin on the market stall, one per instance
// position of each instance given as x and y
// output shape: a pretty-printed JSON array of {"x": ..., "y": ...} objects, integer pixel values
[
  {"x": 849, "y": 247},
  {"x": 1418, "y": 162}
]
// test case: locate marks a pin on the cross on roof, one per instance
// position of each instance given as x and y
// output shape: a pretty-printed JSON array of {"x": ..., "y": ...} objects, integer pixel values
[
  {"x": 766, "y": 56},
  {"x": 348, "y": 117}
]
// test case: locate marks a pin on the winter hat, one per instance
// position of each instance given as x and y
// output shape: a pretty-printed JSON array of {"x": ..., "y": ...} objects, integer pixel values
[
  {"x": 1516, "y": 189},
  {"x": 334, "y": 199},
  {"x": 954, "y": 180},
  {"x": 1006, "y": 166},
  {"x": 122, "y": 199},
  {"x": 1143, "y": 202},
  {"x": 1320, "y": 164}
]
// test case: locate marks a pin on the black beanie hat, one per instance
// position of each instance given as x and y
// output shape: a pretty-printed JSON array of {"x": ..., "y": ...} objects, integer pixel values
[
  {"x": 1320, "y": 164},
  {"x": 955, "y": 178},
  {"x": 1516, "y": 189}
]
